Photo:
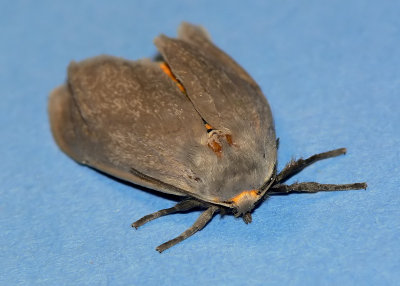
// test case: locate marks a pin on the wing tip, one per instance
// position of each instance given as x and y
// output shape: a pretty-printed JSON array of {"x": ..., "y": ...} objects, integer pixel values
[{"x": 187, "y": 31}]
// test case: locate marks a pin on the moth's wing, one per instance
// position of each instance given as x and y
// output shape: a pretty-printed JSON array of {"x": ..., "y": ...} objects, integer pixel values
[
  {"x": 199, "y": 37},
  {"x": 221, "y": 91},
  {"x": 130, "y": 120}
]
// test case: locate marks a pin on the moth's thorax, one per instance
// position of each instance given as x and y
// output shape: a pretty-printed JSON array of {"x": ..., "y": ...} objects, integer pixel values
[{"x": 234, "y": 174}]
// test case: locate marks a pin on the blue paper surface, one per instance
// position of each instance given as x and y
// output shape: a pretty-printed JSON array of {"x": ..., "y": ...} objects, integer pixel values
[{"x": 331, "y": 72}]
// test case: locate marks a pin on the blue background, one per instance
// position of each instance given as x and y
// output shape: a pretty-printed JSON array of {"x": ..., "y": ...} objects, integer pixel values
[{"x": 331, "y": 72}]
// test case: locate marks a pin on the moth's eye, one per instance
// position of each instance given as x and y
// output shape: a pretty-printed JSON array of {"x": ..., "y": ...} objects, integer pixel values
[{"x": 264, "y": 155}]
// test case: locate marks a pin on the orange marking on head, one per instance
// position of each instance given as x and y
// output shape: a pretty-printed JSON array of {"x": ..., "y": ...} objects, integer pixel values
[
  {"x": 229, "y": 139},
  {"x": 252, "y": 193},
  {"x": 216, "y": 147},
  {"x": 166, "y": 69}
]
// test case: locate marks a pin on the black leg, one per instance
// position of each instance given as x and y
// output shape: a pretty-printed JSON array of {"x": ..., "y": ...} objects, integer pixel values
[
  {"x": 203, "y": 219},
  {"x": 294, "y": 167},
  {"x": 182, "y": 206},
  {"x": 312, "y": 187}
]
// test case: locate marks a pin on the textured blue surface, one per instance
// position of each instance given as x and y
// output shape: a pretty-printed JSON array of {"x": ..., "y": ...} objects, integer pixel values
[{"x": 331, "y": 72}]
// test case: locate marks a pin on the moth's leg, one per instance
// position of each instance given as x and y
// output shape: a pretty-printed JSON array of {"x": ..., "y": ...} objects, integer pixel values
[
  {"x": 182, "y": 206},
  {"x": 294, "y": 167},
  {"x": 203, "y": 219},
  {"x": 312, "y": 187}
]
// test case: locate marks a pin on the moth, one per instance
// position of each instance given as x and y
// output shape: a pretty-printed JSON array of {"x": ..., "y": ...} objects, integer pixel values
[{"x": 192, "y": 124}]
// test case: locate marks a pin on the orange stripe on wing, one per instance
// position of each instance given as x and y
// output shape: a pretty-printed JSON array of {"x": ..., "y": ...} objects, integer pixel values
[{"x": 166, "y": 69}]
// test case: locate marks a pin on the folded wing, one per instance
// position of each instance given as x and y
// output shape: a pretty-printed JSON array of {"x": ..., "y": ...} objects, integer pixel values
[{"x": 128, "y": 119}]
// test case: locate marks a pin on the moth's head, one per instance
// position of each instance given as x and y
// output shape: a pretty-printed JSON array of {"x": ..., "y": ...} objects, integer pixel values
[{"x": 244, "y": 203}]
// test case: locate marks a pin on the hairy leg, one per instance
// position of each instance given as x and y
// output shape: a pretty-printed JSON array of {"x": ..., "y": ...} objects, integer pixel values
[
  {"x": 312, "y": 187},
  {"x": 201, "y": 222},
  {"x": 294, "y": 167},
  {"x": 182, "y": 206}
]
